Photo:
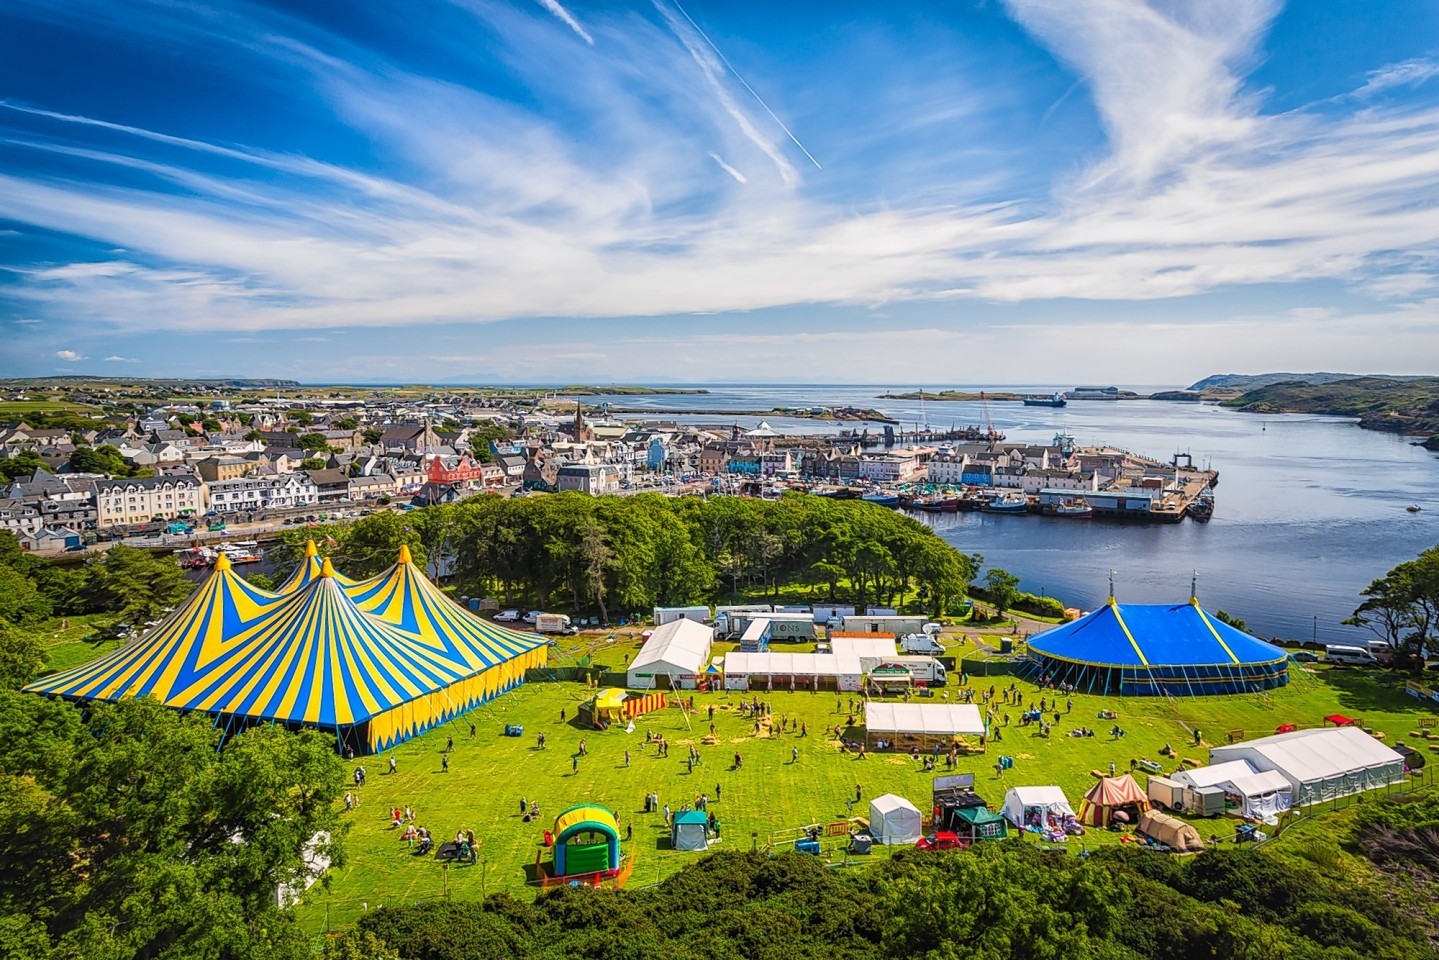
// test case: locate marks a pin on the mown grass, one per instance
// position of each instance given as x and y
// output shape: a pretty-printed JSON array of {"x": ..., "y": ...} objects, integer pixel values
[
  {"x": 66, "y": 642},
  {"x": 10, "y": 409},
  {"x": 490, "y": 773}
]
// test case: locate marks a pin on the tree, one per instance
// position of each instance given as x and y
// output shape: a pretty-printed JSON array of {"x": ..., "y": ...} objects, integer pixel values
[
  {"x": 23, "y": 464},
  {"x": 312, "y": 441},
  {"x": 1402, "y": 608},
  {"x": 1235, "y": 622},
  {"x": 312, "y": 463},
  {"x": 1003, "y": 588},
  {"x": 300, "y": 417},
  {"x": 254, "y": 435},
  {"x": 20, "y": 601},
  {"x": 372, "y": 435},
  {"x": 138, "y": 586},
  {"x": 346, "y": 423},
  {"x": 21, "y": 656},
  {"x": 482, "y": 435},
  {"x": 104, "y": 459},
  {"x": 211, "y": 425}
]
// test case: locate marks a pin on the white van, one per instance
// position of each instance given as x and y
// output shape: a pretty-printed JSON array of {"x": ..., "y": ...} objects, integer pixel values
[{"x": 1349, "y": 656}]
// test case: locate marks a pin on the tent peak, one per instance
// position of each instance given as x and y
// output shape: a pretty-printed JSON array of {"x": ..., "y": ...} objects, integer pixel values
[
  {"x": 328, "y": 570},
  {"x": 222, "y": 563},
  {"x": 310, "y": 549},
  {"x": 405, "y": 554}
]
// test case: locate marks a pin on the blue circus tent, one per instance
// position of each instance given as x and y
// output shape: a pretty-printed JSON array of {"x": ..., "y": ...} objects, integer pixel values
[{"x": 1155, "y": 650}]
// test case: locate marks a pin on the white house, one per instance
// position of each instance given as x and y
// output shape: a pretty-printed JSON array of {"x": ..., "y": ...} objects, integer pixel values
[{"x": 248, "y": 494}]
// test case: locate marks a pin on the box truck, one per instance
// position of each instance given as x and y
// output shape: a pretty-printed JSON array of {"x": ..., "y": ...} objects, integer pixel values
[
  {"x": 923, "y": 669},
  {"x": 554, "y": 623}
]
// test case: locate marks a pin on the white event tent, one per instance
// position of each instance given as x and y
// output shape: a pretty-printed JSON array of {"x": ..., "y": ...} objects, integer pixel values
[
  {"x": 678, "y": 650},
  {"x": 894, "y": 820},
  {"x": 1020, "y": 802},
  {"x": 1320, "y": 764},
  {"x": 913, "y": 722},
  {"x": 1257, "y": 795}
]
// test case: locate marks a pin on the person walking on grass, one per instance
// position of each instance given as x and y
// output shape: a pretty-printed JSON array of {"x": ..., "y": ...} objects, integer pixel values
[
  {"x": 794, "y": 754},
  {"x": 449, "y": 744},
  {"x": 627, "y": 758},
  {"x": 575, "y": 764},
  {"x": 392, "y": 764},
  {"x": 444, "y": 763}
]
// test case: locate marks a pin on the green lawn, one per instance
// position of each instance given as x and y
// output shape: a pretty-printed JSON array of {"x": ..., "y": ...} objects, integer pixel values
[
  {"x": 489, "y": 774},
  {"x": 18, "y": 408},
  {"x": 66, "y": 646}
]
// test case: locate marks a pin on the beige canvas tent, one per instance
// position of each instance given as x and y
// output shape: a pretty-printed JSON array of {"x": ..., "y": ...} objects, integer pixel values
[
  {"x": 1113, "y": 795},
  {"x": 1170, "y": 831}
]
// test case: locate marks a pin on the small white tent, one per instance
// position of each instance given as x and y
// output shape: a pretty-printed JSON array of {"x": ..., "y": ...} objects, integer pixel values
[
  {"x": 1023, "y": 804},
  {"x": 1254, "y": 795},
  {"x": 894, "y": 820}
]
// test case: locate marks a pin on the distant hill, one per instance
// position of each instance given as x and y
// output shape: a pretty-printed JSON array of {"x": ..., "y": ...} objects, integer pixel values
[
  {"x": 1251, "y": 381},
  {"x": 1394, "y": 404}
]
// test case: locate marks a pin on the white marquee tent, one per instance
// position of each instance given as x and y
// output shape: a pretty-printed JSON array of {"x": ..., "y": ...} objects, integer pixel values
[
  {"x": 1020, "y": 801},
  {"x": 678, "y": 650},
  {"x": 757, "y": 671},
  {"x": 1320, "y": 764},
  {"x": 894, "y": 820},
  {"x": 871, "y": 651},
  {"x": 923, "y": 719}
]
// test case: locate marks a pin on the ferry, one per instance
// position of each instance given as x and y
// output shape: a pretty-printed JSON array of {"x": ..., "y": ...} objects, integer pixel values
[
  {"x": 1040, "y": 400},
  {"x": 1009, "y": 503}
]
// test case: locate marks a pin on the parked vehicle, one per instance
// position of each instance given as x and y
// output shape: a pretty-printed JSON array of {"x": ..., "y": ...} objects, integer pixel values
[
  {"x": 554, "y": 623},
  {"x": 925, "y": 643},
  {"x": 921, "y": 669},
  {"x": 1349, "y": 656},
  {"x": 508, "y": 616},
  {"x": 941, "y": 840},
  {"x": 532, "y": 616},
  {"x": 1165, "y": 793}
]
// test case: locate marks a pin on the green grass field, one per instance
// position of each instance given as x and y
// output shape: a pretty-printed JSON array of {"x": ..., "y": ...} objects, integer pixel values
[
  {"x": 65, "y": 643},
  {"x": 490, "y": 773},
  {"x": 18, "y": 408}
]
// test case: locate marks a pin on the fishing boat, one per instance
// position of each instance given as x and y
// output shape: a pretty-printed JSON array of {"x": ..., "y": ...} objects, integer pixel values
[
  {"x": 1413, "y": 508},
  {"x": 1076, "y": 508},
  {"x": 1040, "y": 400},
  {"x": 882, "y": 499},
  {"x": 1009, "y": 503},
  {"x": 1202, "y": 506},
  {"x": 196, "y": 557}
]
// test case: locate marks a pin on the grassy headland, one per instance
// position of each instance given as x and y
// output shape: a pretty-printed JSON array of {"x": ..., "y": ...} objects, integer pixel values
[{"x": 1396, "y": 405}]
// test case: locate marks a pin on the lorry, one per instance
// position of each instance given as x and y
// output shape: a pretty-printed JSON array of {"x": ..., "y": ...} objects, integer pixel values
[
  {"x": 924, "y": 643},
  {"x": 895, "y": 626},
  {"x": 664, "y": 615},
  {"x": 923, "y": 669},
  {"x": 732, "y": 621},
  {"x": 554, "y": 623}
]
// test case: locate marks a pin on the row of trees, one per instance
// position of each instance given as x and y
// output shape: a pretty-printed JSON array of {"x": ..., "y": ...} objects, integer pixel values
[{"x": 631, "y": 553}]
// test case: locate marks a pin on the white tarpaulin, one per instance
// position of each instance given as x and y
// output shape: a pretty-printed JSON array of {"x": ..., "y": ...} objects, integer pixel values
[
  {"x": 757, "y": 671},
  {"x": 933, "y": 719},
  {"x": 1320, "y": 764},
  {"x": 894, "y": 820},
  {"x": 1255, "y": 795}
]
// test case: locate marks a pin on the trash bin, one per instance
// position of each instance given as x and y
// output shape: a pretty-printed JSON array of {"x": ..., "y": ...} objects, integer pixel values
[
  {"x": 474, "y": 604},
  {"x": 860, "y": 843},
  {"x": 807, "y": 846}
]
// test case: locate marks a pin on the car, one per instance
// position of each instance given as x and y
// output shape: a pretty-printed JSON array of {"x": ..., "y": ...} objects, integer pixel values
[
  {"x": 507, "y": 616},
  {"x": 1304, "y": 656},
  {"x": 533, "y": 616},
  {"x": 941, "y": 840}
]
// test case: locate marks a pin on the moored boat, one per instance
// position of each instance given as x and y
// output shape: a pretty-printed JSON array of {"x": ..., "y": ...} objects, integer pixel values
[
  {"x": 1009, "y": 503},
  {"x": 882, "y": 499},
  {"x": 1202, "y": 506},
  {"x": 1040, "y": 400},
  {"x": 1075, "y": 509}
]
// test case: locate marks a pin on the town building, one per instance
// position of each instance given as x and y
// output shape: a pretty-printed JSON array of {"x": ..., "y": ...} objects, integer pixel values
[{"x": 140, "y": 500}]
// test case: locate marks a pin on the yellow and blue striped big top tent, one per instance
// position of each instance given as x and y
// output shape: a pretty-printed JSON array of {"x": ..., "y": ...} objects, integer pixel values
[{"x": 313, "y": 657}]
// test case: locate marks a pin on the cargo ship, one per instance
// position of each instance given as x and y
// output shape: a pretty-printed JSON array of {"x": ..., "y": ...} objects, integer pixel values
[{"x": 1040, "y": 400}]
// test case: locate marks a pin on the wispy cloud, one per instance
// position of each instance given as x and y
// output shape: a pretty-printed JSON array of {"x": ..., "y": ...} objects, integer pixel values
[
  {"x": 69, "y": 356},
  {"x": 116, "y": 358},
  {"x": 1405, "y": 73},
  {"x": 464, "y": 206},
  {"x": 553, "y": 6}
]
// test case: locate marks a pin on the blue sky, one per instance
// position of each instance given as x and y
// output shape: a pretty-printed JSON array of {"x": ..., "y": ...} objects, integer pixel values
[{"x": 555, "y": 190}]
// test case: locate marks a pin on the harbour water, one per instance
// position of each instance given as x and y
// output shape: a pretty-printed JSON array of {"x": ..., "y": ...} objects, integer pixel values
[{"x": 1309, "y": 509}]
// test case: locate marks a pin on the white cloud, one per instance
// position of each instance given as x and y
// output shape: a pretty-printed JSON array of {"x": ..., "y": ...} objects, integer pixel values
[
  {"x": 553, "y": 6},
  {"x": 1406, "y": 73},
  {"x": 599, "y": 199},
  {"x": 69, "y": 356},
  {"x": 116, "y": 358}
]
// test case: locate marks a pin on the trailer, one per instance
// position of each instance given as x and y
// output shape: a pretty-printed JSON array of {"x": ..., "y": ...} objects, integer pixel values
[
  {"x": 1166, "y": 794},
  {"x": 830, "y": 615},
  {"x": 664, "y": 615},
  {"x": 893, "y": 625},
  {"x": 732, "y": 621}
]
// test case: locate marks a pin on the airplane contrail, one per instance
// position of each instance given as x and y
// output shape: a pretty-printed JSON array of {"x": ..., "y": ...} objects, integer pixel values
[{"x": 744, "y": 83}]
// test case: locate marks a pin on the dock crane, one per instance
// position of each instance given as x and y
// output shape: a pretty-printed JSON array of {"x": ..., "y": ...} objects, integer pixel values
[{"x": 990, "y": 434}]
